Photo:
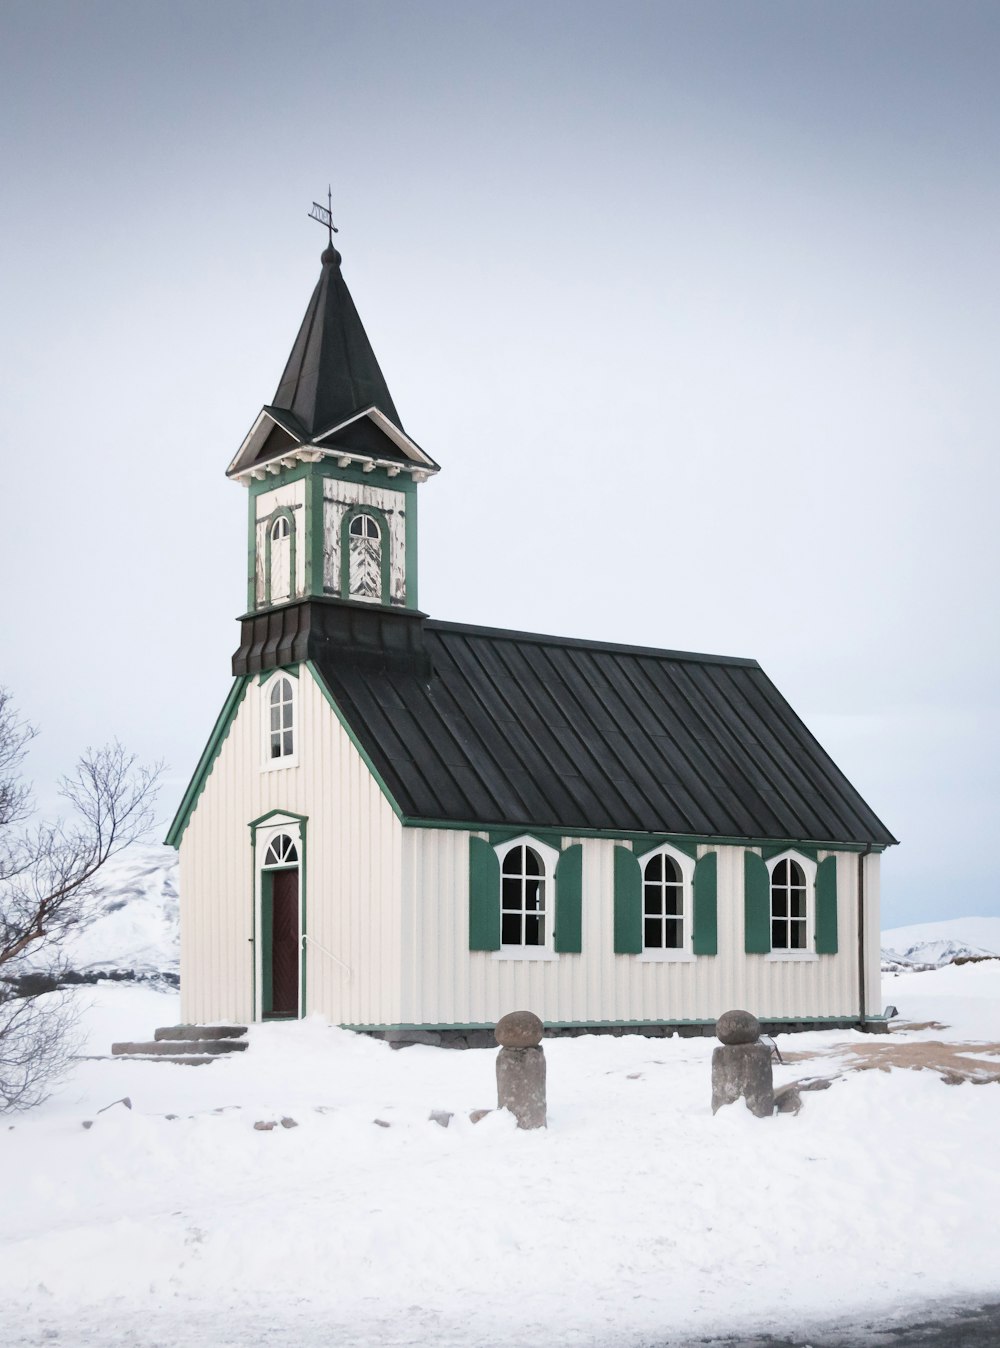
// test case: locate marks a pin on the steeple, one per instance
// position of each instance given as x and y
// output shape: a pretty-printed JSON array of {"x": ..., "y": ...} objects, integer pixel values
[
  {"x": 333, "y": 480},
  {"x": 332, "y": 397},
  {"x": 332, "y": 373}
]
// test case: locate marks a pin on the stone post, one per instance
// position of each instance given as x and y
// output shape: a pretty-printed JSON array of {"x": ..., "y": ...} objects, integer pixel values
[
  {"x": 742, "y": 1066},
  {"x": 521, "y": 1068}
]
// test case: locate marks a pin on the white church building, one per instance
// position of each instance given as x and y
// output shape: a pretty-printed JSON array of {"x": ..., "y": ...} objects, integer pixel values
[{"x": 413, "y": 827}]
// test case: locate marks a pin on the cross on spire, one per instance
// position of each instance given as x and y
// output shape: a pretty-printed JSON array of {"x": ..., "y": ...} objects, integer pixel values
[{"x": 324, "y": 214}]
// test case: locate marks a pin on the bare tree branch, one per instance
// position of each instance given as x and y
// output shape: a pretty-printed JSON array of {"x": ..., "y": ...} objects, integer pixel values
[{"x": 47, "y": 885}]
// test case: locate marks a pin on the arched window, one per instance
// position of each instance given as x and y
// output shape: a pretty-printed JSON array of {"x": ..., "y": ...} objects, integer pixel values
[
  {"x": 281, "y": 851},
  {"x": 364, "y": 561},
  {"x": 662, "y": 904},
  {"x": 522, "y": 898},
  {"x": 789, "y": 906},
  {"x": 281, "y": 726},
  {"x": 279, "y": 542}
]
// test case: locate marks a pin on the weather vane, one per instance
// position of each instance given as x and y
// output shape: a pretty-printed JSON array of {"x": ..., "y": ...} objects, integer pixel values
[{"x": 324, "y": 214}]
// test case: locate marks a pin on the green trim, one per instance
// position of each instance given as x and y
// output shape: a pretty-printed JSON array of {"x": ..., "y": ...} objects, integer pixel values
[
  {"x": 550, "y": 837},
  {"x": 266, "y": 675},
  {"x": 826, "y": 907},
  {"x": 207, "y": 761},
  {"x": 255, "y": 824},
  {"x": 682, "y": 841},
  {"x": 628, "y": 903},
  {"x": 756, "y": 905},
  {"x": 650, "y": 842},
  {"x": 568, "y": 938},
  {"x": 770, "y": 851},
  {"x": 410, "y": 548},
  {"x": 349, "y": 731},
  {"x": 302, "y": 821},
  {"x": 385, "y": 547},
  {"x": 849, "y": 1018},
  {"x": 315, "y": 527},
  {"x": 484, "y": 896},
  {"x": 705, "y": 902}
]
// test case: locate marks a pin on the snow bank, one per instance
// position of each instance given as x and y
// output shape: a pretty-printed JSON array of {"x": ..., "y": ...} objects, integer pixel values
[{"x": 635, "y": 1216}]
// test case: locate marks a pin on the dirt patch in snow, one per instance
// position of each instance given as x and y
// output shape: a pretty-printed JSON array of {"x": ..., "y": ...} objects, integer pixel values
[{"x": 954, "y": 1063}]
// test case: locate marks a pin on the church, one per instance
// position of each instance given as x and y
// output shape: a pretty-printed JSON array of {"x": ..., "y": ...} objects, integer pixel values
[{"x": 413, "y": 826}]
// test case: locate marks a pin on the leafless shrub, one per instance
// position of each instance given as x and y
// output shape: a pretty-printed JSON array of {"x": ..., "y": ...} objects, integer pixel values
[{"x": 48, "y": 882}]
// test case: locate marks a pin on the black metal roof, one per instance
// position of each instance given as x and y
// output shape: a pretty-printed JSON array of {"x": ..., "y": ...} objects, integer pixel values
[
  {"x": 332, "y": 373},
  {"x": 515, "y": 728}
]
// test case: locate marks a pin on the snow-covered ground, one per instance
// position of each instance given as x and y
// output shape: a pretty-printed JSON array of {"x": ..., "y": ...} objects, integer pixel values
[{"x": 635, "y": 1218}]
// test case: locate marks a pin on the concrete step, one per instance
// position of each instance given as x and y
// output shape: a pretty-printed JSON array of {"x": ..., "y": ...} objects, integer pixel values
[
  {"x": 165, "y": 1047},
  {"x": 182, "y": 1059},
  {"x": 199, "y": 1032}
]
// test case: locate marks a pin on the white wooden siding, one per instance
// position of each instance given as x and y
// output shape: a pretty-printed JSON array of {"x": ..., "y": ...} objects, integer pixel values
[
  {"x": 292, "y": 496},
  {"x": 352, "y": 879},
  {"x": 338, "y": 498},
  {"x": 446, "y": 983}
]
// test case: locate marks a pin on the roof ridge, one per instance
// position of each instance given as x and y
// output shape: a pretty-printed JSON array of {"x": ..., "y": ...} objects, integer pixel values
[{"x": 581, "y": 643}]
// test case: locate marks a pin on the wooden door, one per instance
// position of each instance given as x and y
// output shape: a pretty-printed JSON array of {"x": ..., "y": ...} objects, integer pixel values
[{"x": 281, "y": 944}]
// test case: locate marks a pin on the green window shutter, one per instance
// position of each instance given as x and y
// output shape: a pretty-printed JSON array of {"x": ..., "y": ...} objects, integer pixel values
[
  {"x": 569, "y": 901},
  {"x": 484, "y": 896},
  {"x": 826, "y": 907},
  {"x": 628, "y": 903},
  {"x": 756, "y": 905},
  {"x": 705, "y": 939}
]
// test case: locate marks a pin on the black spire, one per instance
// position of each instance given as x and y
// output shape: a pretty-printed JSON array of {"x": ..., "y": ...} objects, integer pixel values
[{"x": 332, "y": 373}]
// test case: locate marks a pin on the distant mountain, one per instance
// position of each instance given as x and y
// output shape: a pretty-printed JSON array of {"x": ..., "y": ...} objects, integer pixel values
[
  {"x": 134, "y": 929},
  {"x": 932, "y": 944}
]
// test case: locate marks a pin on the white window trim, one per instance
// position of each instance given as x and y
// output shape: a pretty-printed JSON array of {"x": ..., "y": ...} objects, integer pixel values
[
  {"x": 269, "y": 764},
  {"x": 683, "y": 954},
  {"x": 549, "y": 857},
  {"x": 809, "y": 868}
]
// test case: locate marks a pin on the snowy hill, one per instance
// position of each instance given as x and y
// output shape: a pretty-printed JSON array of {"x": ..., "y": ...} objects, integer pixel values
[
  {"x": 134, "y": 931},
  {"x": 938, "y": 943}
]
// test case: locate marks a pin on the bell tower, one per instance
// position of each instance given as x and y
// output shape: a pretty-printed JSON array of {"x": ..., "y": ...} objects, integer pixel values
[{"x": 332, "y": 480}]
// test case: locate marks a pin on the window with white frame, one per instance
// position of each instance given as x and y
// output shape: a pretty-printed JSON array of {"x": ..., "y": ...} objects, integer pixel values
[
  {"x": 789, "y": 906},
  {"x": 522, "y": 898},
  {"x": 793, "y": 906},
  {"x": 281, "y": 721},
  {"x": 667, "y": 904},
  {"x": 662, "y": 904}
]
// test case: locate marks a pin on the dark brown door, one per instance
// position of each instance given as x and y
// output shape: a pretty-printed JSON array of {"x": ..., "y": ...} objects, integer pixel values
[{"x": 285, "y": 944}]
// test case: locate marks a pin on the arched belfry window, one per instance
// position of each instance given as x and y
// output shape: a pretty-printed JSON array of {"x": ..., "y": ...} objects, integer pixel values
[
  {"x": 281, "y": 719},
  {"x": 279, "y": 543},
  {"x": 281, "y": 851},
  {"x": 364, "y": 560}
]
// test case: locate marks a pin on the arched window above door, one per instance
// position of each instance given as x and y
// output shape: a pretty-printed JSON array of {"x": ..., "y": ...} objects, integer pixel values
[{"x": 281, "y": 851}]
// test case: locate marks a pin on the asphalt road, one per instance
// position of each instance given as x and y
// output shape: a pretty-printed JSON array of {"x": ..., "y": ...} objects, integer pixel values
[{"x": 976, "y": 1326}]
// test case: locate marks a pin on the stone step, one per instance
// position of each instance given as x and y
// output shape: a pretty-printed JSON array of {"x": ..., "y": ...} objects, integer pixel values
[
  {"x": 182, "y": 1059},
  {"x": 199, "y": 1032},
  {"x": 164, "y": 1047}
]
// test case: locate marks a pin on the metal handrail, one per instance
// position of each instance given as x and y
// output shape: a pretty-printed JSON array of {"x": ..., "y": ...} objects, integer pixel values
[{"x": 329, "y": 953}]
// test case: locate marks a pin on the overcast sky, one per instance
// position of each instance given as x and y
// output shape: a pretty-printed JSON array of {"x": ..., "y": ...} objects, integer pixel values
[{"x": 697, "y": 305}]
